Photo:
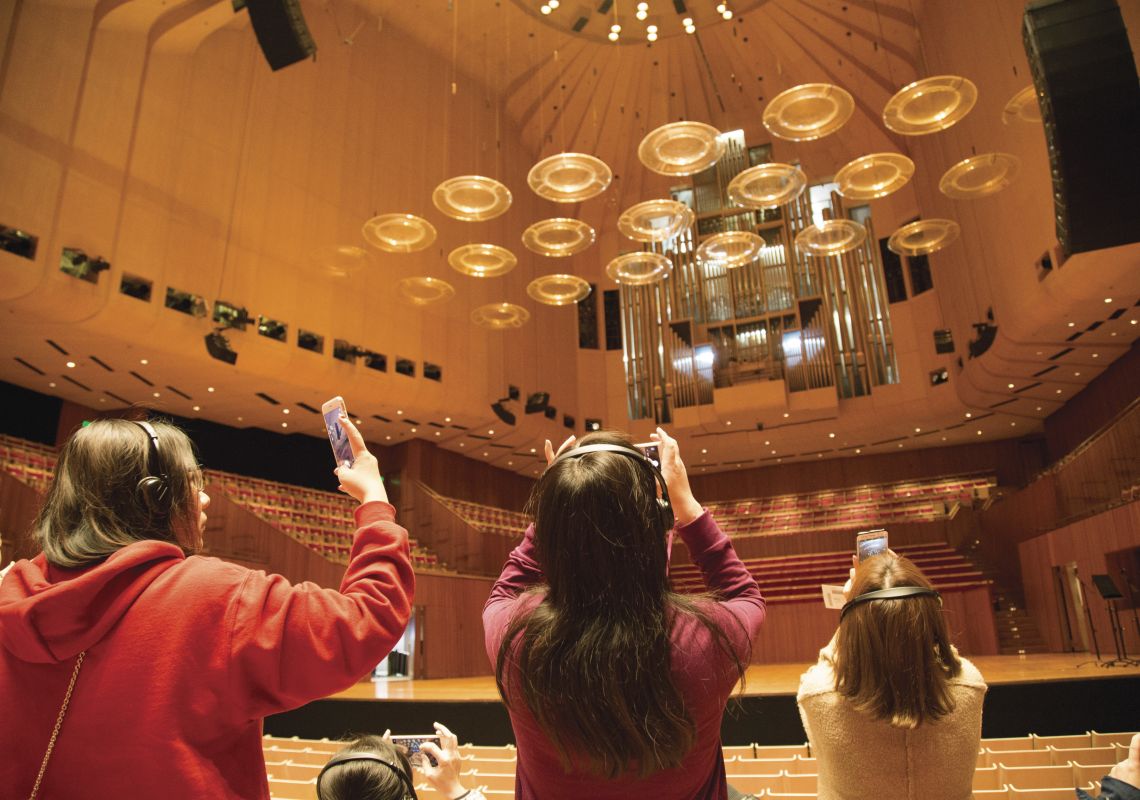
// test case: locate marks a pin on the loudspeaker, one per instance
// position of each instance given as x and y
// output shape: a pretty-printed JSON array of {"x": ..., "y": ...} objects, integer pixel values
[
  {"x": 1087, "y": 88},
  {"x": 281, "y": 31}
]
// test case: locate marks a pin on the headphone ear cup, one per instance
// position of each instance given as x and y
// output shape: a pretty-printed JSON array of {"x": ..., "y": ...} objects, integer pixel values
[
  {"x": 155, "y": 494},
  {"x": 665, "y": 512}
]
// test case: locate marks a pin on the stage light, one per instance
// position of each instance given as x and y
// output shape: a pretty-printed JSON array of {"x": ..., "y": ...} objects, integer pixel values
[
  {"x": 502, "y": 413},
  {"x": 537, "y": 402},
  {"x": 593, "y": 424},
  {"x": 218, "y": 346}
]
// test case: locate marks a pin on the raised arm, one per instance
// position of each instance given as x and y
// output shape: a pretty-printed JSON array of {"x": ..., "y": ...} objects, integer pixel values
[{"x": 292, "y": 644}]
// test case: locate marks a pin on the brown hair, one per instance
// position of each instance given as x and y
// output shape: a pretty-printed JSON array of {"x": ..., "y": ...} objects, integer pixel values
[
  {"x": 592, "y": 660},
  {"x": 893, "y": 658},
  {"x": 101, "y": 500},
  {"x": 368, "y": 780}
]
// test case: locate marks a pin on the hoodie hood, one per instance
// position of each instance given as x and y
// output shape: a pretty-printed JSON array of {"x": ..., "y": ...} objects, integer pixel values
[{"x": 49, "y": 614}]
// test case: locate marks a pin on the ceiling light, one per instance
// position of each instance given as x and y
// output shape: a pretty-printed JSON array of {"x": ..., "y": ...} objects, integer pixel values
[
  {"x": 1130, "y": 322},
  {"x": 720, "y": 7},
  {"x": 1011, "y": 386},
  {"x": 979, "y": 433},
  {"x": 857, "y": 451},
  {"x": 534, "y": 449},
  {"x": 687, "y": 22},
  {"x": 1013, "y": 424},
  {"x": 1072, "y": 324},
  {"x": 786, "y": 415},
  {"x": 437, "y": 433},
  {"x": 727, "y": 14},
  {"x": 900, "y": 444},
  {"x": 767, "y": 443},
  {"x": 414, "y": 430},
  {"x": 1058, "y": 391},
  {"x": 1108, "y": 299},
  {"x": 143, "y": 361},
  {"x": 486, "y": 454},
  {"x": 241, "y": 419},
  {"x": 690, "y": 29},
  {"x": 553, "y": 3},
  {"x": 918, "y": 430},
  {"x": 388, "y": 438},
  {"x": 357, "y": 422},
  {"x": 615, "y": 28},
  {"x": 156, "y": 394},
  {"x": 651, "y": 37},
  {"x": 728, "y": 422},
  {"x": 70, "y": 365},
  {"x": 52, "y": 384},
  {"x": 545, "y": 9},
  {"x": 399, "y": 413},
  {"x": 831, "y": 436},
  {"x": 284, "y": 411},
  {"x": 447, "y": 419},
  {"x": 773, "y": 452},
  {"x": 1038, "y": 408},
  {"x": 197, "y": 408},
  {"x": 1076, "y": 374},
  {"x": 641, "y": 15},
  {"x": 1096, "y": 355},
  {"x": 209, "y": 388},
  {"x": 462, "y": 444},
  {"x": 643, "y": 6},
  {"x": 651, "y": 28},
  {"x": 704, "y": 451},
  {"x": 284, "y": 424}
]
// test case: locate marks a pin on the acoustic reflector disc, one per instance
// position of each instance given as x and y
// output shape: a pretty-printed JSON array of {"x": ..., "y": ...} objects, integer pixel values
[
  {"x": 422, "y": 291},
  {"x": 471, "y": 198},
  {"x": 1022, "y": 107},
  {"x": 767, "y": 186},
  {"x": 639, "y": 268},
  {"x": 809, "y": 111},
  {"x": 655, "y": 220},
  {"x": 558, "y": 290},
  {"x": 569, "y": 177},
  {"x": 399, "y": 233},
  {"x": 831, "y": 238},
  {"x": 979, "y": 176},
  {"x": 730, "y": 249},
  {"x": 558, "y": 237},
  {"x": 681, "y": 148},
  {"x": 482, "y": 260},
  {"x": 923, "y": 237},
  {"x": 873, "y": 176},
  {"x": 500, "y": 316},
  {"x": 930, "y": 105},
  {"x": 341, "y": 260}
]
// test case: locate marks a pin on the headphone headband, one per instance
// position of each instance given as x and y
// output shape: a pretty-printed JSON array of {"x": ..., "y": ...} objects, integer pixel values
[
  {"x": 354, "y": 755},
  {"x": 894, "y": 593}
]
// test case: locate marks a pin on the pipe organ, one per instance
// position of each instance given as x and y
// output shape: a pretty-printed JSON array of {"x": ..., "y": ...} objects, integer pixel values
[{"x": 812, "y": 322}]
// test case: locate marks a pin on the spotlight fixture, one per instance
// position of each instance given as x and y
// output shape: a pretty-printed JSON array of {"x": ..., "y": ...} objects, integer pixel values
[
  {"x": 568, "y": 421},
  {"x": 218, "y": 346},
  {"x": 513, "y": 392},
  {"x": 537, "y": 402},
  {"x": 231, "y": 315},
  {"x": 939, "y": 376},
  {"x": 502, "y": 413},
  {"x": 550, "y": 412},
  {"x": 593, "y": 424}
]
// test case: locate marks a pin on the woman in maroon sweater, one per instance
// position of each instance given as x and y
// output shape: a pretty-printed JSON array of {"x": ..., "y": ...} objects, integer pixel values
[
  {"x": 616, "y": 685},
  {"x": 169, "y": 661}
]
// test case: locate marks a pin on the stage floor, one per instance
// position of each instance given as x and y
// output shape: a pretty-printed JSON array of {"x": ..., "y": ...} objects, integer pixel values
[{"x": 762, "y": 680}]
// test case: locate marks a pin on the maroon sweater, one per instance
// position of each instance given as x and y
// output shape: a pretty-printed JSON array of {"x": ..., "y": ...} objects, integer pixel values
[
  {"x": 184, "y": 658},
  {"x": 702, "y": 671}
]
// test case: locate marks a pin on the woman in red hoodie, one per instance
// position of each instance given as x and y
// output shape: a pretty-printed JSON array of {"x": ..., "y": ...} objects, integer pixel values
[{"x": 129, "y": 668}]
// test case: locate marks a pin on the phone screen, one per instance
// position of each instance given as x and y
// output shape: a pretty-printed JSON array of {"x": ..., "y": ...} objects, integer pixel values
[
  {"x": 870, "y": 543},
  {"x": 412, "y": 745},
  {"x": 651, "y": 451},
  {"x": 338, "y": 437}
]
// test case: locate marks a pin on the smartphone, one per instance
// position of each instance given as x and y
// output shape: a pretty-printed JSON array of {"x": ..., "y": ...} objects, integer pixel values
[
  {"x": 651, "y": 451},
  {"x": 338, "y": 437},
  {"x": 871, "y": 543},
  {"x": 412, "y": 745}
]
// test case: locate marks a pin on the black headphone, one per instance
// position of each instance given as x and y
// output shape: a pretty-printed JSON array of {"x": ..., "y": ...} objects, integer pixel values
[
  {"x": 664, "y": 508},
  {"x": 155, "y": 486},
  {"x": 894, "y": 593},
  {"x": 344, "y": 758}
]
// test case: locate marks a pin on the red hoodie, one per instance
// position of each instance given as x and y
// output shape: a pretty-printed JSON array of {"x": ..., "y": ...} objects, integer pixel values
[{"x": 184, "y": 658}]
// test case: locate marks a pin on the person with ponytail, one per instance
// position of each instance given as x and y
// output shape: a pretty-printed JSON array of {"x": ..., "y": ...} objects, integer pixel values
[{"x": 616, "y": 684}]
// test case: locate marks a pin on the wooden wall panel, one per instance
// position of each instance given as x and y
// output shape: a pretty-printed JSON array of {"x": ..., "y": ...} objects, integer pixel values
[
  {"x": 1095, "y": 406},
  {"x": 1084, "y": 542},
  {"x": 1013, "y": 460},
  {"x": 453, "y": 625}
]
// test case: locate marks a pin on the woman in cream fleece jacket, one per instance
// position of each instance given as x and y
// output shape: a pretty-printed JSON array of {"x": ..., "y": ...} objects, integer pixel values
[{"x": 890, "y": 708}]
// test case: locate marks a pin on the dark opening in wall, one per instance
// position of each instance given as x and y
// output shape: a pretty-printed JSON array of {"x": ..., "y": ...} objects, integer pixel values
[
  {"x": 433, "y": 372},
  {"x": 185, "y": 302},
  {"x": 17, "y": 242},
  {"x": 76, "y": 263},
  {"x": 944, "y": 340},
  {"x": 272, "y": 328},
  {"x": 892, "y": 272},
  {"x": 136, "y": 287},
  {"x": 405, "y": 366},
  {"x": 307, "y": 340}
]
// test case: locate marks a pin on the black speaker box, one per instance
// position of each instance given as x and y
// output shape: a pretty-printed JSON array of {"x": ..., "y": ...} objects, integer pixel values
[
  {"x": 1089, "y": 95},
  {"x": 281, "y": 31}
]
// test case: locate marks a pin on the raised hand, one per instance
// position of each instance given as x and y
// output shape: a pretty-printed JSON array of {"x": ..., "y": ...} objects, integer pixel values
[
  {"x": 444, "y": 776},
  {"x": 362, "y": 480},
  {"x": 685, "y": 506}
]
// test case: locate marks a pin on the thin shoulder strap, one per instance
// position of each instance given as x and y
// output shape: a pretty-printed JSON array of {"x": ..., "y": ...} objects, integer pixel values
[{"x": 58, "y": 725}]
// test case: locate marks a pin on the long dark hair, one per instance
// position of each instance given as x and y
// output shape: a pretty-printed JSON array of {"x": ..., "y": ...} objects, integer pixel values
[
  {"x": 592, "y": 660},
  {"x": 99, "y": 500},
  {"x": 893, "y": 658}
]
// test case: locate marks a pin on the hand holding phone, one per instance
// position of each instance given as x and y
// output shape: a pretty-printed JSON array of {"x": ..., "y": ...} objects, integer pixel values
[
  {"x": 870, "y": 543},
  {"x": 412, "y": 745},
  {"x": 652, "y": 451},
  {"x": 333, "y": 411}
]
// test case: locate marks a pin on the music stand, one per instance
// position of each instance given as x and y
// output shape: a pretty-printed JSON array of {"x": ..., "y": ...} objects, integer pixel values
[{"x": 1107, "y": 589}]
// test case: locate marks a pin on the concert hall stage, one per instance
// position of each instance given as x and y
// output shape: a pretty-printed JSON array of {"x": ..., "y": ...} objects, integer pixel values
[{"x": 1047, "y": 694}]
